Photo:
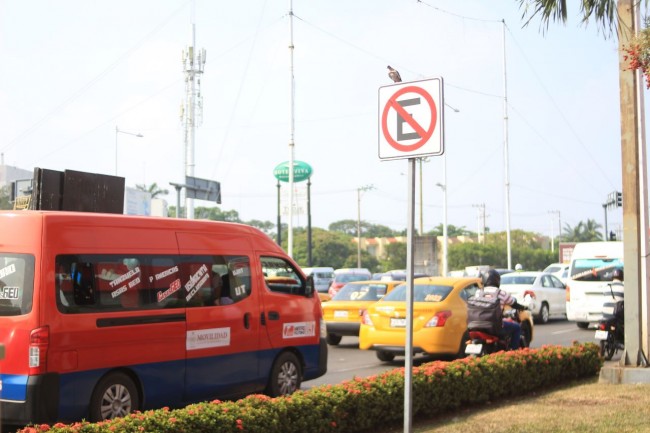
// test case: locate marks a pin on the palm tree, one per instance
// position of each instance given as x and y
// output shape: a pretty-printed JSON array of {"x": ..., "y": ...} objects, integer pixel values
[
  {"x": 583, "y": 232},
  {"x": 603, "y": 11},
  {"x": 152, "y": 189}
]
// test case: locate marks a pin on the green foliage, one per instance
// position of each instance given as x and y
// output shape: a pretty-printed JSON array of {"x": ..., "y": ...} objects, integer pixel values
[
  {"x": 153, "y": 189},
  {"x": 5, "y": 198},
  {"x": 367, "y": 261},
  {"x": 452, "y": 230},
  {"x": 368, "y": 230},
  {"x": 582, "y": 232},
  {"x": 328, "y": 248},
  {"x": 395, "y": 257},
  {"x": 366, "y": 404}
]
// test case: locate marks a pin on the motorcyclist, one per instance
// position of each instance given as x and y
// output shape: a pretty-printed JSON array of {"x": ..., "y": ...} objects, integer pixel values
[
  {"x": 613, "y": 292},
  {"x": 491, "y": 284}
]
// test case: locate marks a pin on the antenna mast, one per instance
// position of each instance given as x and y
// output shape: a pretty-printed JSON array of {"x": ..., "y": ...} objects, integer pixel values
[{"x": 191, "y": 108}]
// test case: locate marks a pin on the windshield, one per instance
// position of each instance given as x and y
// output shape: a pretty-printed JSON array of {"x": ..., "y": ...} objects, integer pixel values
[
  {"x": 517, "y": 279},
  {"x": 594, "y": 269},
  {"x": 422, "y": 293},
  {"x": 16, "y": 284},
  {"x": 552, "y": 269},
  {"x": 360, "y": 292}
]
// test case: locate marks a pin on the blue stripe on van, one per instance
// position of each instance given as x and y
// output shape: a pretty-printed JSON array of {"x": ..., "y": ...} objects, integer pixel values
[{"x": 163, "y": 382}]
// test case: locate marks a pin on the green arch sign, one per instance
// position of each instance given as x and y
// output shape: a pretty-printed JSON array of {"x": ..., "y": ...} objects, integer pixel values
[{"x": 301, "y": 171}]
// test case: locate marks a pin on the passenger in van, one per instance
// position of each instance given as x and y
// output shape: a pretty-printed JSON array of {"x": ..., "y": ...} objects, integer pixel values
[{"x": 221, "y": 288}]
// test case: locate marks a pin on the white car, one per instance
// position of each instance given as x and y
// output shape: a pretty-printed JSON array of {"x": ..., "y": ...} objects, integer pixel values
[
  {"x": 560, "y": 270},
  {"x": 543, "y": 293}
]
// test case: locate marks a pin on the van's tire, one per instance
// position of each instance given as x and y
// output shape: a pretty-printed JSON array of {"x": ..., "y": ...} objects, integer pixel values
[
  {"x": 583, "y": 325},
  {"x": 114, "y": 396},
  {"x": 385, "y": 356},
  {"x": 286, "y": 375},
  {"x": 333, "y": 339}
]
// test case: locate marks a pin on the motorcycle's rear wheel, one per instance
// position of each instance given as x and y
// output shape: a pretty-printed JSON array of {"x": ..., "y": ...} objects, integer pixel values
[{"x": 608, "y": 347}]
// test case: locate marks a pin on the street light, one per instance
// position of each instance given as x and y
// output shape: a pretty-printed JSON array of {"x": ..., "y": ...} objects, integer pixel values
[
  {"x": 117, "y": 131},
  {"x": 362, "y": 188}
]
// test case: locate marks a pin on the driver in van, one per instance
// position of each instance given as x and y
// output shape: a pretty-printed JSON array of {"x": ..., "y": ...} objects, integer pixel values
[{"x": 220, "y": 286}]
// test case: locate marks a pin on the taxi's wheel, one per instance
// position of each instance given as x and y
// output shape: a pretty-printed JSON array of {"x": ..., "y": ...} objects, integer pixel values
[
  {"x": 385, "y": 356},
  {"x": 333, "y": 339},
  {"x": 114, "y": 396},
  {"x": 285, "y": 376}
]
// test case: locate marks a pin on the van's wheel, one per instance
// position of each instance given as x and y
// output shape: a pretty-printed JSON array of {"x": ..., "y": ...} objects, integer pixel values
[
  {"x": 114, "y": 396},
  {"x": 385, "y": 356},
  {"x": 285, "y": 375},
  {"x": 333, "y": 339}
]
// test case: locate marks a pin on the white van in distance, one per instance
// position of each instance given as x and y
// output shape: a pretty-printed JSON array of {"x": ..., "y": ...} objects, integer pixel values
[{"x": 590, "y": 270}]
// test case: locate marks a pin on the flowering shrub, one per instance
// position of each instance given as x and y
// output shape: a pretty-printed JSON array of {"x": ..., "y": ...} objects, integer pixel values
[
  {"x": 362, "y": 404},
  {"x": 637, "y": 53}
]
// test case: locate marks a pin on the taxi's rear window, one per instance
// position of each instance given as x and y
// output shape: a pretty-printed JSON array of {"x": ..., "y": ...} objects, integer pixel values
[{"x": 422, "y": 293}]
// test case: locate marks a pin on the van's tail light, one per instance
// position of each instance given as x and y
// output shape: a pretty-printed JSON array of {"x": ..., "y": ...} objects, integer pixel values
[
  {"x": 568, "y": 293},
  {"x": 439, "y": 319},
  {"x": 39, "y": 341}
]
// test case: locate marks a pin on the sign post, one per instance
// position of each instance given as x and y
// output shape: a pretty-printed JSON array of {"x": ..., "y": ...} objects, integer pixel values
[{"x": 410, "y": 127}]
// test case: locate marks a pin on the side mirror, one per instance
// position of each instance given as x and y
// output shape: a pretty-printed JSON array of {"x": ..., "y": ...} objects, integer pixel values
[{"x": 309, "y": 286}]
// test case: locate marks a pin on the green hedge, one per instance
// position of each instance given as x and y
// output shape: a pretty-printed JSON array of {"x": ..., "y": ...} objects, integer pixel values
[{"x": 365, "y": 403}]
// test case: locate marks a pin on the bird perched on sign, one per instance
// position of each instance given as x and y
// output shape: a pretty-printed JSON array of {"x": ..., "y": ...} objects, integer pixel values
[{"x": 394, "y": 75}]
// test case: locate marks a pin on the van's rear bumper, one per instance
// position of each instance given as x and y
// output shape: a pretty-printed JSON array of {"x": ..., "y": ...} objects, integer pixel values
[{"x": 40, "y": 405}]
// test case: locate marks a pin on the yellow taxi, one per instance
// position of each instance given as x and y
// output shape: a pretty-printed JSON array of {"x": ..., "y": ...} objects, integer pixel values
[
  {"x": 342, "y": 314},
  {"x": 439, "y": 318}
]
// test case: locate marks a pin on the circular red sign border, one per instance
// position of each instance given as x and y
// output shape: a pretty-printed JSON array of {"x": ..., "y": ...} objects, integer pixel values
[{"x": 434, "y": 119}]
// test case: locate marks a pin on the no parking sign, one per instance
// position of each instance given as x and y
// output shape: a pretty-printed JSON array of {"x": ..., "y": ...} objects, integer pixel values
[{"x": 411, "y": 119}]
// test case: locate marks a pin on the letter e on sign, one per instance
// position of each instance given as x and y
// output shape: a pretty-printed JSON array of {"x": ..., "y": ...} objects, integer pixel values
[{"x": 411, "y": 119}]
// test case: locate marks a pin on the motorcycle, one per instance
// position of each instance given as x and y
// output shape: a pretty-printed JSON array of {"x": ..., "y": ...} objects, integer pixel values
[
  {"x": 481, "y": 343},
  {"x": 611, "y": 328}
]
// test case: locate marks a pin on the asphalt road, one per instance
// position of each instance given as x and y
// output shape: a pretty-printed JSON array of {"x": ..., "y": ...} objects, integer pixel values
[{"x": 347, "y": 361}]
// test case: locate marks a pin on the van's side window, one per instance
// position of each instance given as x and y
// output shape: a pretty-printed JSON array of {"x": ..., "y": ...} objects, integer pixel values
[
  {"x": 92, "y": 283},
  {"x": 280, "y": 276}
]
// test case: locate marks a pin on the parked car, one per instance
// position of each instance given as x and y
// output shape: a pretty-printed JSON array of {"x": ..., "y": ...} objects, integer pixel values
[
  {"x": 342, "y": 314},
  {"x": 347, "y": 275},
  {"x": 439, "y": 318},
  {"x": 543, "y": 293}
]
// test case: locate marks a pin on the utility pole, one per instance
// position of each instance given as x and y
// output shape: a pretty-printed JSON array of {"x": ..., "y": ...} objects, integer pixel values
[
  {"x": 192, "y": 109},
  {"x": 359, "y": 190},
  {"x": 481, "y": 222}
]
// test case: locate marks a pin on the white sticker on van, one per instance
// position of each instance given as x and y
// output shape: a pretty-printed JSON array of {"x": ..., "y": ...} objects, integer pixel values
[
  {"x": 122, "y": 278},
  {"x": 7, "y": 270},
  {"x": 166, "y": 273},
  {"x": 196, "y": 278},
  {"x": 9, "y": 293},
  {"x": 299, "y": 329},
  {"x": 206, "y": 338}
]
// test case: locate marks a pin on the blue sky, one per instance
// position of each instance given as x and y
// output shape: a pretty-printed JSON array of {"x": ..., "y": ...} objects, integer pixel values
[{"x": 74, "y": 70}]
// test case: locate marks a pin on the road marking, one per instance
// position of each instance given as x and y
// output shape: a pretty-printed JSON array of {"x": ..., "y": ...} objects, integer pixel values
[{"x": 565, "y": 331}]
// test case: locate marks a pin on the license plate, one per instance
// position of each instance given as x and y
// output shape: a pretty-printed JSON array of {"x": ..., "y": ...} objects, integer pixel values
[
  {"x": 341, "y": 314},
  {"x": 601, "y": 335},
  {"x": 473, "y": 349},
  {"x": 397, "y": 323}
]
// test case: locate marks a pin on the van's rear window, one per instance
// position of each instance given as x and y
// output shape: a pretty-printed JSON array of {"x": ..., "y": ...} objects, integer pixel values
[
  {"x": 16, "y": 284},
  {"x": 594, "y": 269}
]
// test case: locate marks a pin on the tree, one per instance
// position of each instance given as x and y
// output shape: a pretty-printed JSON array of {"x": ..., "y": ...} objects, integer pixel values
[
  {"x": 329, "y": 248},
  {"x": 582, "y": 232},
  {"x": 603, "y": 11},
  {"x": 452, "y": 230},
  {"x": 152, "y": 189},
  {"x": 5, "y": 198},
  {"x": 395, "y": 256}
]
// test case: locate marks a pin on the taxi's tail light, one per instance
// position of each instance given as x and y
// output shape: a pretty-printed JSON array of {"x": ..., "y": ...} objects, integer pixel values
[
  {"x": 439, "y": 319},
  {"x": 365, "y": 318},
  {"x": 530, "y": 293},
  {"x": 39, "y": 342},
  {"x": 568, "y": 293}
]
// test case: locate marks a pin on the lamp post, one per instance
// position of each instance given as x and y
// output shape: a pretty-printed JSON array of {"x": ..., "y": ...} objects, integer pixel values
[
  {"x": 117, "y": 132},
  {"x": 444, "y": 228},
  {"x": 362, "y": 188}
]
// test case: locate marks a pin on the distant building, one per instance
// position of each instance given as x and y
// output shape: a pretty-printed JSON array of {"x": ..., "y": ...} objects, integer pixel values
[{"x": 10, "y": 174}]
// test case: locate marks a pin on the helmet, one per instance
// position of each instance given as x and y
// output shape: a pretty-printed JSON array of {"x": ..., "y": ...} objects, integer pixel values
[
  {"x": 617, "y": 274},
  {"x": 518, "y": 267},
  {"x": 491, "y": 278}
]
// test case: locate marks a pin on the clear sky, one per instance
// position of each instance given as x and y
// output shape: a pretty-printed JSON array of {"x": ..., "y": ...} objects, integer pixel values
[{"x": 73, "y": 70}]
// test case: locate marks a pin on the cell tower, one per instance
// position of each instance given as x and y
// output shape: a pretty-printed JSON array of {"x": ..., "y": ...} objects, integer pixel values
[{"x": 191, "y": 109}]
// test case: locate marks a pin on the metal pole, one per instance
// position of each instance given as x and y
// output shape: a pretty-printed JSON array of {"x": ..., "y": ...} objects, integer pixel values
[
  {"x": 358, "y": 227},
  {"x": 408, "y": 363},
  {"x": 309, "y": 258},
  {"x": 279, "y": 236},
  {"x": 505, "y": 146},
  {"x": 292, "y": 132},
  {"x": 606, "y": 231},
  {"x": 421, "y": 213}
]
